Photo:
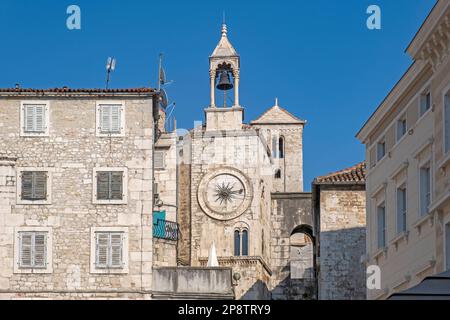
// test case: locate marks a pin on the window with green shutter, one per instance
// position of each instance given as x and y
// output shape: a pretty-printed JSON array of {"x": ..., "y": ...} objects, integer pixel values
[
  {"x": 109, "y": 250},
  {"x": 33, "y": 249},
  {"x": 110, "y": 185},
  {"x": 34, "y": 185}
]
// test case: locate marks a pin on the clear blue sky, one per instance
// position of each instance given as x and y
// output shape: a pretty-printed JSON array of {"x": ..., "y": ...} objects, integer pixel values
[{"x": 317, "y": 56}]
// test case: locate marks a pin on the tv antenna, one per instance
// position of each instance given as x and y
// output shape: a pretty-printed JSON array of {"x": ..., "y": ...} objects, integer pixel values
[
  {"x": 110, "y": 67},
  {"x": 162, "y": 82}
]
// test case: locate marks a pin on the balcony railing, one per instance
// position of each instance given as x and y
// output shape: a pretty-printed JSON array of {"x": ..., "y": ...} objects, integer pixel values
[{"x": 166, "y": 230}]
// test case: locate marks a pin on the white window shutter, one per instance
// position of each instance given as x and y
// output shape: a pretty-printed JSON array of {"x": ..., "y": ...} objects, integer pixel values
[
  {"x": 116, "y": 250},
  {"x": 29, "y": 116},
  {"x": 115, "y": 119},
  {"x": 102, "y": 242},
  {"x": 40, "y": 250},
  {"x": 105, "y": 118},
  {"x": 25, "y": 249},
  {"x": 39, "y": 118}
]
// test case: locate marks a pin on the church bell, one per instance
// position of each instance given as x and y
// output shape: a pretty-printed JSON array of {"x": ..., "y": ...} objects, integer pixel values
[{"x": 224, "y": 81}]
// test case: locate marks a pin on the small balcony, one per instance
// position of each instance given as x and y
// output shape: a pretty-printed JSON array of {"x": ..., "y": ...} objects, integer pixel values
[{"x": 166, "y": 230}]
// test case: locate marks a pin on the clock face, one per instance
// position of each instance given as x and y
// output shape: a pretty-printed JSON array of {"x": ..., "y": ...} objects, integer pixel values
[{"x": 225, "y": 194}]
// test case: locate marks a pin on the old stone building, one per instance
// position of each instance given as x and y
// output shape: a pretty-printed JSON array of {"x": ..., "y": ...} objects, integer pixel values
[
  {"x": 339, "y": 209},
  {"x": 76, "y": 193}
]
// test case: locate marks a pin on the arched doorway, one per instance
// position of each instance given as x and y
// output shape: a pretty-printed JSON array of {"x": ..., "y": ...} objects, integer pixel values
[{"x": 301, "y": 244}]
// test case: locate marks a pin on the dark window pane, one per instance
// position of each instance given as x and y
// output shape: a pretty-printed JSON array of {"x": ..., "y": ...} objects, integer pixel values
[
  {"x": 281, "y": 148},
  {"x": 245, "y": 243},
  {"x": 237, "y": 243}
]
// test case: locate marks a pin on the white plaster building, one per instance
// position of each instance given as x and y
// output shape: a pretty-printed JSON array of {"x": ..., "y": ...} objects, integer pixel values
[{"x": 408, "y": 150}]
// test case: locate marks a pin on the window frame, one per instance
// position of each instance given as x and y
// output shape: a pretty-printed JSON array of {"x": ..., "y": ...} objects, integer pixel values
[
  {"x": 163, "y": 153},
  {"x": 402, "y": 216},
  {"x": 425, "y": 164},
  {"x": 94, "y": 269},
  {"x": 98, "y": 121},
  {"x": 378, "y": 207},
  {"x": 445, "y": 102},
  {"x": 381, "y": 142},
  {"x": 124, "y": 199},
  {"x": 19, "y": 199},
  {"x": 402, "y": 119},
  {"x": 240, "y": 232},
  {"x": 425, "y": 93},
  {"x": 46, "y": 132},
  {"x": 48, "y": 253}
]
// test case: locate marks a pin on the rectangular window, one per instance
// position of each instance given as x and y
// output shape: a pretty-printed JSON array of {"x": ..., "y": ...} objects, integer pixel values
[
  {"x": 425, "y": 102},
  {"x": 159, "y": 160},
  {"x": 401, "y": 209},
  {"x": 109, "y": 185},
  {"x": 33, "y": 250},
  {"x": 34, "y": 118},
  {"x": 109, "y": 250},
  {"x": 34, "y": 185},
  {"x": 381, "y": 225},
  {"x": 381, "y": 150},
  {"x": 110, "y": 120},
  {"x": 425, "y": 189},
  {"x": 447, "y": 123},
  {"x": 401, "y": 128}
]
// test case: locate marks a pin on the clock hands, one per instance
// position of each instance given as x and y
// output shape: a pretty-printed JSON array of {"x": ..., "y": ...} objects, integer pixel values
[{"x": 225, "y": 193}]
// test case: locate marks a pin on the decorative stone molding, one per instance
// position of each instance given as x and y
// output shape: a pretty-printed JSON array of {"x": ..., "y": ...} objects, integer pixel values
[{"x": 242, "y": 261}]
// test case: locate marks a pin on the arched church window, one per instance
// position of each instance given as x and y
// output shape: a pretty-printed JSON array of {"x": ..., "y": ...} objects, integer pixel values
[
  {"x": 237, "y": 243},
  {"x": 281, "y": 148},
  {"x": 241, "y": 243},
  {"x": 278, "y": 174},
  {"x": 274, "y": 148},
  {"x": 245, "y": 243}
]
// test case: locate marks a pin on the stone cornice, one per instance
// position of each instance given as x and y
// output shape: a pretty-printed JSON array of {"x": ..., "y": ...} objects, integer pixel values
[{"x": 432, "y": 27}]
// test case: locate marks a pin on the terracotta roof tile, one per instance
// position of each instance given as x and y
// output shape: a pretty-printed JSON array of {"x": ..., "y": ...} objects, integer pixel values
[
  {"x": 81, "y": 90},
  {"x": 355, "y": 174}
]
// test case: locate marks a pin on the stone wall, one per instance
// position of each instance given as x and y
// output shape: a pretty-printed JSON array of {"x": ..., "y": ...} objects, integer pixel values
[
  {"x": 291, "y": 165},
  {"x": 342, "y": 240},
  {"x": 71, "y": 151},
  {"x": 193, "y": 283},
  {"x": 164, "y": 253},
  {"x": 184, "y": 214},
  {"x": 289, "y": 212}
]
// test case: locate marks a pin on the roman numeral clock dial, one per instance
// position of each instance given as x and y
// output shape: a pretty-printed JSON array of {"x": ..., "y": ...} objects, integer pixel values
[{"x": 225, "y": 194}]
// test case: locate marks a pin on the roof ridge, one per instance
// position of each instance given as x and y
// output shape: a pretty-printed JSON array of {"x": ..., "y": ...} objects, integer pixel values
[{"x": 356, "y": 173}]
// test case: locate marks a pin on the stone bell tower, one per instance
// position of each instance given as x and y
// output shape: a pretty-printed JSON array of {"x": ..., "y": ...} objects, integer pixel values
[{"x": 224, "y": 68}]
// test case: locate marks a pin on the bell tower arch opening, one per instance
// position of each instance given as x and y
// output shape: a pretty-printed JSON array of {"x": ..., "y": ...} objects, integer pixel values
[{"x": 224, "y": 70}]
